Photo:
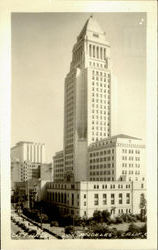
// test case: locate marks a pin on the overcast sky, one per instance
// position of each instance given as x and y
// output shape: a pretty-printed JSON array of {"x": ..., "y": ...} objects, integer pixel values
[{"x": 41, "y": 55}]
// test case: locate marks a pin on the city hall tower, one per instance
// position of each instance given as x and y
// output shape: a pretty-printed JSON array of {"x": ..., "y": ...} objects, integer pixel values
[{"x": 87, "y": 100}]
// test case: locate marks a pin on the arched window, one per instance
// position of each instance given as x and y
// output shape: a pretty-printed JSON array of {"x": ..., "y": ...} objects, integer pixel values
[
  {"x": 61, "y": 197},
  {"x": 58, "y": 197}
]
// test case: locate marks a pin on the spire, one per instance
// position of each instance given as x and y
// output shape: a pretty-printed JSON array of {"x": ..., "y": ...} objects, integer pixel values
[{"x": 91, "y": 25}]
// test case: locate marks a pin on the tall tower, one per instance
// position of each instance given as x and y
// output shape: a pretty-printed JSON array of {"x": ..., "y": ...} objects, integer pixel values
[{"x": 87, "y": 108}]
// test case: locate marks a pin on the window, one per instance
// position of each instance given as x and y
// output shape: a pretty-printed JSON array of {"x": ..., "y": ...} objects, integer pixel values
[
  {"x": 104, "y": 199},
  {"x": 112, "y": 199},
  {"x": 72, "y": 199},
  {"x": 120, "y": 198},
  {"x": 97, "y": 47},
  {"x": 96, "y": 199},
  {"x": 93, "y": 51},
  {"x": 128, "y": 198},
  {"x": 96, "y": 202},
  {"x": 84, "y": 203},
  {"x": 90, "y": 50},
  {"x": 84, "y": 196},
  {"x": 96, "y": 196}
]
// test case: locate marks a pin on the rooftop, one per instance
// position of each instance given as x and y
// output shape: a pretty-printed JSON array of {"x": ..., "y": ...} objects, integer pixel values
[
  {"x": 91, "y": 25},
  {"x": 125, "y": 137},
  {"x": 26, "y": 142},
  {"x": 108, "y": 140}
]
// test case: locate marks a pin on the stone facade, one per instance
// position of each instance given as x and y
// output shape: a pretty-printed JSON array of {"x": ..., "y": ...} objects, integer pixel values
[{"x": 83, "y": 198}]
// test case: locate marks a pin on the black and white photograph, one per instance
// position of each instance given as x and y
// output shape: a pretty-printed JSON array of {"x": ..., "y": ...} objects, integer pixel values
[
  {"x": 71, "y": 73},
  {"x": 79, "y": 127}
]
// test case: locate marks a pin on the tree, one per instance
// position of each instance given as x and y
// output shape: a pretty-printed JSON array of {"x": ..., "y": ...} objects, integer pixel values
[
  {"x": 44, "y": 218},
  {"x": 142, "y": 206},
  {"x": 105, "y": 215},
  {"x": 54, "y": 224},
  {"x": 69, "y": 230},
  {"x": 119, "y": 220},
  {"x": 133, "y": 228},
  {"x": 100, "y": 229},
  {"x": 97, "y": 215},
  {"x": 66, "y": 220},
  {"x": 143, "y": 229}
]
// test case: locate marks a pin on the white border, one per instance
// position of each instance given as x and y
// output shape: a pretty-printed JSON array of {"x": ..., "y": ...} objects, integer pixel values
[{"x": 5, "y": 89}]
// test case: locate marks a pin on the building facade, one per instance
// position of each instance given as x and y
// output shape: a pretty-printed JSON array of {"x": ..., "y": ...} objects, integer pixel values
[
  {"x": 28, "y": 152},
  {"x": 58, "y": 166},
  {"x": 117, "y": 158},
  {"x": 46, "y": 172},
  {"x": 26, "y": 161},
  {"x": 23, "y": 171},
  {"x": 29, "y": 192},
  {"x": 87, "y": 105},
  {"x": 83, "y": 198}
]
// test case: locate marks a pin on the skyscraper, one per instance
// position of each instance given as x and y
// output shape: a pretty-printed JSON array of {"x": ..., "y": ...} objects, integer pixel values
[
  {"x": 95, "y": 171},
  {"x": 87, "y": 99}
]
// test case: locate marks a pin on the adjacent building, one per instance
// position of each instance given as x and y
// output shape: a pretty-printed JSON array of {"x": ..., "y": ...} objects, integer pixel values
[
  {"x": 58, "y": 166},
  {"x": 118, "y": 158},
  {"x": 46, "y": 172},
  {"x": 29, "y": 192},
  {"x": 83, "y": 198},
  {"x": 28, "y": 163},
  {"x": 25, "y": 151},
  {"x": 29, "y": 171}
]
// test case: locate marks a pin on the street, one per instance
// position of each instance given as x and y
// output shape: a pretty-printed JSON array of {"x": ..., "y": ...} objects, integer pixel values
[{"x": 22, "y": 229}]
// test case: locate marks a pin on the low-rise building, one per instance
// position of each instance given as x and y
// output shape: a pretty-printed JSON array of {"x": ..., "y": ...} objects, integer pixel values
[
  {"x": 29, "y": 192},
  {"x": 83, "y": 198}
]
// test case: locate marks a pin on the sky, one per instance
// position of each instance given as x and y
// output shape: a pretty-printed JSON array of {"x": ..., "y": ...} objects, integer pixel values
[{"x": 41, "y": 46}]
